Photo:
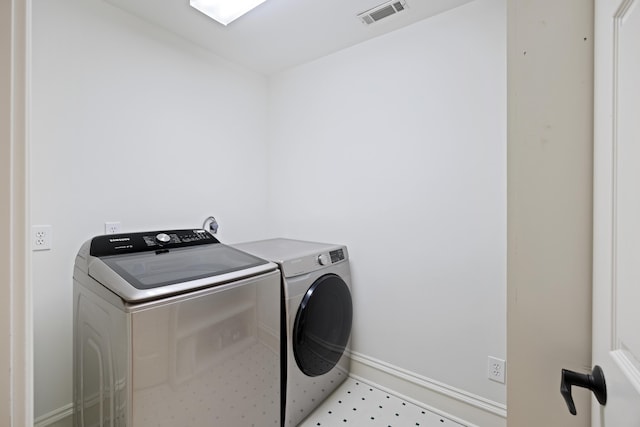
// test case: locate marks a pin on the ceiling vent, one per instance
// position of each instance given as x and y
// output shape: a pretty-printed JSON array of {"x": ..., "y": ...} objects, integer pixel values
[{"x": 382, "y": 11}]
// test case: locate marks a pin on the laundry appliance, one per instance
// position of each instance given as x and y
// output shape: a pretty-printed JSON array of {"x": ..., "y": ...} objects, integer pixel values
[
  {"x": 317, "y": 316},
  {"x": 174, "y": 328}
]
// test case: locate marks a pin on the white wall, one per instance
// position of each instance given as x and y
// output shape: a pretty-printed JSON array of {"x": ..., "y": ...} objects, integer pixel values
[
  {"x": 397, "y": 148},
  {"x": 130, "y": 124}
]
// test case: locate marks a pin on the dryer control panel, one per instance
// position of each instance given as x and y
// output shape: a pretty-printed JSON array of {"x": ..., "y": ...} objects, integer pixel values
[
  {"x": 331, "y": 257},
  {"x": 337, "y": 255},
  {"x": 309, "y": 263},
  {"x": 297, "y": 256}
]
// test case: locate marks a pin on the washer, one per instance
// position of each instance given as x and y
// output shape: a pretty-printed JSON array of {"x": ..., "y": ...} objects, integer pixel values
[
  {"x": 317, "y": 317},
  {"x": 173, "y": 328}
]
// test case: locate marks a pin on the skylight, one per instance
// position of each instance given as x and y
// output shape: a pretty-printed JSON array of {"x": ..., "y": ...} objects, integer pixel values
[{"x": 225, "y": 11}]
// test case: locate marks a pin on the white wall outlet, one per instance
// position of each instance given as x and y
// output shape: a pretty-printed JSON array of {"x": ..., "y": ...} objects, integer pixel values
[
  {"x": 112, "y": 227},
  {"x": 41, "y": 237},
  {"x": 496, "y": 369}
]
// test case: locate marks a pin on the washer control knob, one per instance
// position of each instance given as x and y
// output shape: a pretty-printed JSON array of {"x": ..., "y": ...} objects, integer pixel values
[
  {"x": 163, "y": 238},
  {"x": 323, "y": 259}
]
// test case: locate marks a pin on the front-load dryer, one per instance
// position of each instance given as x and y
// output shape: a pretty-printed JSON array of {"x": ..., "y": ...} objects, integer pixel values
[{"x": 317, "y": 316}]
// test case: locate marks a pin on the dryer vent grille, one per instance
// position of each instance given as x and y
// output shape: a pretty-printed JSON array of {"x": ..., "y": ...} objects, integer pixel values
[{"x": 382, "y": 11}]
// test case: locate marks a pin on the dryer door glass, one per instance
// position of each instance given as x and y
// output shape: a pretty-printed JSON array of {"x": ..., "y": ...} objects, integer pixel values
[{"x": 323, "y": 325}]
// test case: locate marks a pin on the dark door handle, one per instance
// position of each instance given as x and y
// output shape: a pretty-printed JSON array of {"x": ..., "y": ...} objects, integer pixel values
[{"x": 594, "y": 382}]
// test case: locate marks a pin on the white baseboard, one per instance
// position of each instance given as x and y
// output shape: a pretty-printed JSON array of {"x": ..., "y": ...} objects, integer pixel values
[
  {"x": 62, "y": 416},
  {"x": 458, "y": 405}
]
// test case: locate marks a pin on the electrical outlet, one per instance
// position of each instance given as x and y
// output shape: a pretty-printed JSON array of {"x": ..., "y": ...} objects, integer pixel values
[
  {"x": 495, "y": 369},
  {"x": 41, "y": 237},
  {"x": 112, "y": 227}
]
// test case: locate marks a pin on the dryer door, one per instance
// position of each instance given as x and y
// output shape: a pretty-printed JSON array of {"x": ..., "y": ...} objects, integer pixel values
[{"x": 323, "y": 325}]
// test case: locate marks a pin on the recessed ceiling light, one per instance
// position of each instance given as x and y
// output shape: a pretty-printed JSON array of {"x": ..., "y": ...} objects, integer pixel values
[{"x": 224, "y": 11}]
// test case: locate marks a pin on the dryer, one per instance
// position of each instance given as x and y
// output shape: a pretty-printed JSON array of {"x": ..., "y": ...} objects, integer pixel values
[{"x": 317, "y": 315}]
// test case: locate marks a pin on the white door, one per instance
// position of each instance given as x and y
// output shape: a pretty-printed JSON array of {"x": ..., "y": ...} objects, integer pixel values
[{"x": 616, "y": 295}]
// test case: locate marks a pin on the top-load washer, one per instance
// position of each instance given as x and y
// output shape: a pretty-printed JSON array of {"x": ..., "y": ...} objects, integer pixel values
[
  {"x": 318, "y": 312},
  {"x": 173, "y": 328}
]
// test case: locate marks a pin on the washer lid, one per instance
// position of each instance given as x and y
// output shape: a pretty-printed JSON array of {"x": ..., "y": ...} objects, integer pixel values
[
  {"x": 149, "y": 270},
  {"x": 143, "y": 266}
]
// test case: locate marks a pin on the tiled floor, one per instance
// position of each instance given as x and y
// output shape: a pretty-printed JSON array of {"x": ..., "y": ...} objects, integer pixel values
[
  {"x": 358, "y": 404},
  {"x": 361, "y": 405}
]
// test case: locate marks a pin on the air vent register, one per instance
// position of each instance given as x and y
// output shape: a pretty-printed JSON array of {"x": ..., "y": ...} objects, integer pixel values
[{"x": 382, "y": 11}]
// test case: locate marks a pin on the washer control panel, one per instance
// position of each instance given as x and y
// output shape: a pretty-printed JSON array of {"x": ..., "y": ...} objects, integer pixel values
[
  {"x": 163, "y": 238},
  {"x": 126, "y": 243}
]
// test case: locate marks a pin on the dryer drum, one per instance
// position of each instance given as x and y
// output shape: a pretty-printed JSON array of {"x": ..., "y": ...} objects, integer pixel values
[{"x": 323, "y": 325}]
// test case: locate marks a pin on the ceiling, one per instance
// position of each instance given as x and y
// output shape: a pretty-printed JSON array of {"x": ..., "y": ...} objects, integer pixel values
[{"x": 280, "y": 34}]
